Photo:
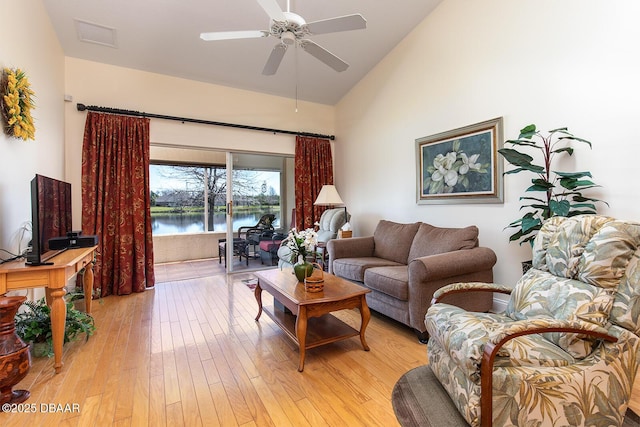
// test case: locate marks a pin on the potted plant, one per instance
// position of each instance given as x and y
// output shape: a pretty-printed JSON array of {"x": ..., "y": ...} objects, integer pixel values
[
  {"x": 553, "y": 192},
  {"x": 33, "y": 325},
  {"x": 76, "y": 296}
]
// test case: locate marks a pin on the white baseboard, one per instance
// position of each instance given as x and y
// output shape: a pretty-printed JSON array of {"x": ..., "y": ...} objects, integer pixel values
[{"x": 500, "y": 303}]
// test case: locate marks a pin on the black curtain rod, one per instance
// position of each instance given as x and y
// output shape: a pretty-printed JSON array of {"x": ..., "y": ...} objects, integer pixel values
[{"x": 82, "y": 107}]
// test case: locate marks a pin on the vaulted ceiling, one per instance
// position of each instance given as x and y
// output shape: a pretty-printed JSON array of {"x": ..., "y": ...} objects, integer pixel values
[{"x": 163, "y": 36}]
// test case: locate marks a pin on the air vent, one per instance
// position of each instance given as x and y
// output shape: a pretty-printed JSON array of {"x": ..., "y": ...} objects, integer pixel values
[{"x": 93, "y": 33}]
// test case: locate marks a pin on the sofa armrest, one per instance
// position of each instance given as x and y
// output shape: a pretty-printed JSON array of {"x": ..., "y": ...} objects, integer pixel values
[
  {"x": 430, "y": 273},
  {"x": 355, "y": 247},
  {"x": 449, "y": 264},
  {"x": 458, "y": 288}
]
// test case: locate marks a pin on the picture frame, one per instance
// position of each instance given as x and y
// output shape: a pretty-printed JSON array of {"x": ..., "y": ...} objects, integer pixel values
[{"x": 461, "y": 165}]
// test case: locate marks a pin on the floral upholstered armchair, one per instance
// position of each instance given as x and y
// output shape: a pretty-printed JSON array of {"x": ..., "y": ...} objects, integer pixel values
[{"x": 566, "y": 350}]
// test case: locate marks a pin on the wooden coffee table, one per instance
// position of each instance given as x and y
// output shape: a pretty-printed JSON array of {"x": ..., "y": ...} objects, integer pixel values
[{"x": 309, "y": 322}]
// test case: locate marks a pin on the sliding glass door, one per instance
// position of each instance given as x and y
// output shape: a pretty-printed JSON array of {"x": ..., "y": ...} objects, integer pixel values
[
  {"x": 191, "y": 188},
  {"x": 255, "y": 186}
]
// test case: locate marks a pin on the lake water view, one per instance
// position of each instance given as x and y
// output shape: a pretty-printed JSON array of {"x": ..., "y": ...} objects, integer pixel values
[{"x": 194, "y": 223}]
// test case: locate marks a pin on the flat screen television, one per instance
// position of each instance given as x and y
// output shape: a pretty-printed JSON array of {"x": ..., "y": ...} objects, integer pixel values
[{"x": 50, "y": 216}]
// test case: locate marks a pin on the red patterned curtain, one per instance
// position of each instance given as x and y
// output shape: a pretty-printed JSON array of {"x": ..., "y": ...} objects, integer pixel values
[
  {"x": 313, "y": 169},
  {"x": 116, "y": 201}
]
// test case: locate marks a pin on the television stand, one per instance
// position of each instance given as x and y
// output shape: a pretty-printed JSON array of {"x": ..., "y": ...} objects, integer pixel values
[
  {"x": 45, "y": 257},
  {"x": 53, "y": 277}
]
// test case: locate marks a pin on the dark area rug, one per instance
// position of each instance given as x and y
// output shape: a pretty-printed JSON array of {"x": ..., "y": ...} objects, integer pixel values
[{"x": 420, "y": 401}]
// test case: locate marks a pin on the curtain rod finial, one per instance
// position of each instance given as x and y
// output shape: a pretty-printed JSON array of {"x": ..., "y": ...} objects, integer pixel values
[{"x": 81, "y": 107}]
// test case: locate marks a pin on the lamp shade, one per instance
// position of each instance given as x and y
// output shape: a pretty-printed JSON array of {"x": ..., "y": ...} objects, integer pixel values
[{"x": 328, "y": 196}]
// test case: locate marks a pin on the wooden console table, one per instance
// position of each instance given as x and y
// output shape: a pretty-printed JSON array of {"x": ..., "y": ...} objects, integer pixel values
[{"x": 16, "y": 275}]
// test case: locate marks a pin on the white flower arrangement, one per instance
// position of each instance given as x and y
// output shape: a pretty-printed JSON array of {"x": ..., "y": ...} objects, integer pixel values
[{"x": 301, "y": 244}]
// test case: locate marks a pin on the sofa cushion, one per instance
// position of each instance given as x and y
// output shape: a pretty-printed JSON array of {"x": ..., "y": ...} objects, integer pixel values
[
  {"x": 393, "y": 240},
  {"x": 354, "y": 268},
  {"x": 430, "y": 240},
  {"x": 390, "y": 280}
]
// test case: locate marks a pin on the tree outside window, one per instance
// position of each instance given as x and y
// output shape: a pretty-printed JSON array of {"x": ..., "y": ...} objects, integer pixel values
[{"x": 178, "y": 194}]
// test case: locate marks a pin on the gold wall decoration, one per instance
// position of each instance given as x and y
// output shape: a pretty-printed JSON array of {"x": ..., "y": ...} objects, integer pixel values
[{"x": 16, "y": 103}]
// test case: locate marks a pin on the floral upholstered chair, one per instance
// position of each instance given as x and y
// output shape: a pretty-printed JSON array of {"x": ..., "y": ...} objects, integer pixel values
[{"x": 566, "y": 350}]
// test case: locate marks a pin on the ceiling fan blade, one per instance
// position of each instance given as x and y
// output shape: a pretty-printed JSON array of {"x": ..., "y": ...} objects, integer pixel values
[
  {"x": 230, "y": 35},
  {"x": 324, "y": 55},
  {"x": 334, "y": 25},
  {"x": 275, "y": 59},
  {"x": 273, "y": 10}
]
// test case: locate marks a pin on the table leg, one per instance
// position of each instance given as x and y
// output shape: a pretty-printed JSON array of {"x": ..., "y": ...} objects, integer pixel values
[
  {"x": 58, "y": 318},
  {"x": 365, "y": 315},
  {"x": 258, "y": 294},
  {"x": 87, "y": 284},
  {"x": 301, "y": 334}
]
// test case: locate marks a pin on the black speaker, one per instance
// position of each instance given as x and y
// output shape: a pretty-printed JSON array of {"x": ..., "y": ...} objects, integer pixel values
[{"x": 59, "y": 243}]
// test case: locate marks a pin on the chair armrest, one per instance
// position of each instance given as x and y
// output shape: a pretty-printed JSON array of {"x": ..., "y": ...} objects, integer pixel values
[
  {"x": 458, "y": 288},
  {"x": 519, "y": 328},
  {"x": 252, "y": 229},
  {"x": 244, "y": 230},
  {"x": 543, "y": 325}
]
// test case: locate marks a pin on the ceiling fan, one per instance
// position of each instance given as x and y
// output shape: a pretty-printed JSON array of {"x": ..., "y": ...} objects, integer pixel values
[{"x": 291, "y": 29}]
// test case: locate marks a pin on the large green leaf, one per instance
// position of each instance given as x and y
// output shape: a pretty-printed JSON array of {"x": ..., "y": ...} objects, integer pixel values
[
  {"x": 527, "y": 131},
  {"x": 521, "y": 160},
  {"x": 530, "y": 224},
  {"x": 515, "y": 157},
  {"x": 542, "y": 183},
  {"x": 559, "y": 208},
  {"x": 523, "y": 142},
  {"x": 533, "y": 198},
  {"x": 572, "y": 184},
  {"x": 561, "y": 130},
  {"x": 541, "y": 207},
  {"x": 589, "y": 206},
  {"x": 564, "y": 149},
  {"x": 582, "y": 198},
  {"x": 537, "y": 187},
  {"x": 575, "y": 175},
  {"x": 575, "y": 138}
]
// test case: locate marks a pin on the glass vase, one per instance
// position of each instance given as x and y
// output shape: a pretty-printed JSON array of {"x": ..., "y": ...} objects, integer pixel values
[{"x": 302, "y": 270}]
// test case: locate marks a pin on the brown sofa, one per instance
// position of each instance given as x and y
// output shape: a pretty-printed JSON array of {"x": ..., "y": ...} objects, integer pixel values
[{"x": 404, "y": 264}]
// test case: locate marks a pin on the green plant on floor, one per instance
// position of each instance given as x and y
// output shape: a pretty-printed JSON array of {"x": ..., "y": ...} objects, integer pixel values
[
  {"x": 561, "y": 191},
  {"x": 77, "y": 294},
  {"x": 33, "y": 324}
]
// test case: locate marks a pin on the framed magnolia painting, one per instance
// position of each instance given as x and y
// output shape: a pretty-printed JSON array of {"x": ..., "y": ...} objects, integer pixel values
[{"x": 461, "y": 165}]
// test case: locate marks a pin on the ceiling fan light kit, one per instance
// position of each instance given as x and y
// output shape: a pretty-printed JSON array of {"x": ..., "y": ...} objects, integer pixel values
[{"x": 292, "y": 29}]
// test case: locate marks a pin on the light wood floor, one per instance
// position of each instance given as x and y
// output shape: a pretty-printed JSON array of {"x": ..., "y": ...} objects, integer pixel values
[{"x": 190, "y": 353}]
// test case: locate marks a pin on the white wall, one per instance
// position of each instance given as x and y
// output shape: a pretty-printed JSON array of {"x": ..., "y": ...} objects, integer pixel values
[
  {"x": 573, "y": 63},
  {"x": 27, "y": 41}
]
